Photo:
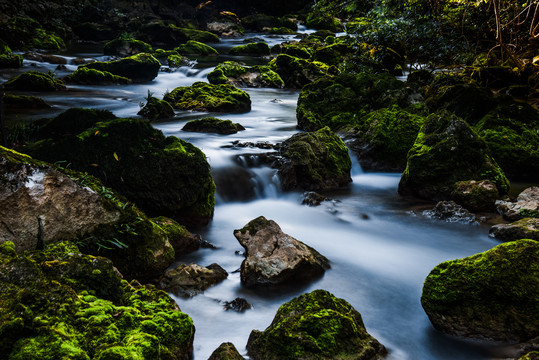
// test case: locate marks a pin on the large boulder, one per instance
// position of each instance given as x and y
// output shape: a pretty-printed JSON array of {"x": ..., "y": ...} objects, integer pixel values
[
  {"x": 247, "y": 76},
  {"x": 189, "y": 280},
  {"x": 41, "y": 204},
  {"x": 273, "y": 257},
  {"x": 314, "y": 161},
  {"x": 297, "y": 72},
  {"x": 139, "y": 67},
  {"x": 34, "y": 81},
  {"x": 527, "y": 228},
  {"x": 526, "y": 205},
  {"x": 445, "y": 152},
  {"x": 61, "y": 304},
  {"x": 212, "y": 98},
  {"x": 172, "y": 176},
  {"x": 316, "y": 325},
  {"x": 492, "y": 295}
]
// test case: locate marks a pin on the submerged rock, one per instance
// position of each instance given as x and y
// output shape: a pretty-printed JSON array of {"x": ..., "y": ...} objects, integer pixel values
[
  {"x": 226, "y": 351},
  {"x": 213, "y": 125},
  {"x": 189, "y": 280},
  {"x": 314, "y": 161},
  {"x": 34, "y": 81},
  {"x": 59, "y": 303},
  {"x": 207, "y": 97},
  {"x": 527, "y": 228},
  {"x": 316, "y": 325},
  {"x": 526, "y": 205},
  {"x": 445, "y": 152},
  {"x": 451, "y": 212},
  {"x": 273, "y": 257},
  {"x": 492, "y": 295},
  {"x": 140, "y": 67}
]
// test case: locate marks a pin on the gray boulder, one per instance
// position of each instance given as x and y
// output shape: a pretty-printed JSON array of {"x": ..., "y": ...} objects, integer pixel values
[{"x": 189, "y": 280}]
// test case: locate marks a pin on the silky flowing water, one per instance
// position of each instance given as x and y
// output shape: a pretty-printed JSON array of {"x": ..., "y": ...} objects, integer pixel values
[{"x": 380, "y": 249}]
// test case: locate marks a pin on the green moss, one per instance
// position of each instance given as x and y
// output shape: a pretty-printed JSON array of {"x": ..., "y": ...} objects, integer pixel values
[
  {"x": 71, "y": 122},
  {"x": 140, "y": 67},
  {"x": 24, "y": 102},
  {"x": 26, "y": 34},
  {"x": 207, "y": 97},
  {"x": 10, "y": 61},
  {"x": 282, "y": 31},
  {"x": 226, "y": 351},
  {"x": 175, "y": 61},
  {"x": 156, "y": 109},
  {"x": 196, "y": 35},
  {"x": 326, "y": 22},
  {"x": 251, "y": 76},
  {"x": 196, "y": 48},
  {"x": 316, "y": 325},
  {"x": 332, "y": 54},
  {"x": 297, "y": 50},
  {"x": 296, "y": 72},
  {"x": 34, "y": 81},
  {"x": 126, "y": 47},
  {"x": 88, "y": 76},
  {"x": 492, "y": 294},
  {"x": 251, "y": 49},
  {"x": 213, "y": 125},
  {"x": 445, "y": 152}
]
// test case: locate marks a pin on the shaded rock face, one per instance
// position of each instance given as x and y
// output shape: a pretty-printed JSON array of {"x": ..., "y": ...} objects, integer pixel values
[
  {"x": 316, "y": 325},
  {"x": 34, "y": 81},
  {"x": 189, "y": 280},
  {"x": 475, "y": 195},
  {"x": 40, "y": 202},
  {"x": 226, "y": 351},
  {"x": 445, "y": 152},
  {"x": 314, "y": 161},
  {"x": 213, "y": 125},
  {"x": 526, "y": 205},
  {"x": 527, "y": 228},
  {"x": 492, "y": 295},
  {"x": 273, "y": 257},
  {"x": 451, "y": 212}
]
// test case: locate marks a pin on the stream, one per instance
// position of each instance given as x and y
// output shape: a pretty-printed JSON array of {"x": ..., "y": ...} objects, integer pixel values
[{"x": 380, "y": 248}]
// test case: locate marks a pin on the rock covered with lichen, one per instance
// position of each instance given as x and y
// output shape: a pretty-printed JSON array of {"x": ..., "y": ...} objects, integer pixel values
[
  {"x": 491, "y": 295},
  {"x": 316, "y": 160},
  {"x": 207, "y": 97},
  {"x": 273, "y": 257},
  {"x": 526, "y": 228},
  {"x": 445, "y": 152},
  {"x": 315, "y": 325},
  {"x": 59, "y": 303}
]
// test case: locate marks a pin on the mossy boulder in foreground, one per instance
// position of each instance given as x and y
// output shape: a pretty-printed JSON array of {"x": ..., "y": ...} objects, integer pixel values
[
  {"x": 61, "y": 304},
  {"x": 317, "y": 160},
  {"x": 140, "y": 67},
  {"x": 34, "y": 81},
  {"x": 316, "y": 325},
  {"x": 445, "y": 152},
  {"x": 207, "y": 97},
  {"x": 492, "y": 295},
  {"x": 172, "y": 176}
]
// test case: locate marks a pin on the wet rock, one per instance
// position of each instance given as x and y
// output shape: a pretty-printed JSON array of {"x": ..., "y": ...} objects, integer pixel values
[
  {"x": 225, "y": 28},
  {"x": 196, "y": 48},
  {"x": 213, "y": 125},
  {"x": 526, "y": 205},
  {"x": 475, "y": 195},
  {"x": 296, "y": 72},
  {"x": 251, "y": 49},
  {"x": 53, "y": 59},
  {"x": 527, "y": 228},
  {"x": 226, "y": 351},
  {"x": 140, "y": 67},
  {"x": 445, "y": 152},
  {"x": 156, "y": 109},
  {"x": 238, "y": 305},
  {"x": 316, "y": 325},
  {"x": 178, "y": 236},
  {"x": 34, "y": 81},
  {"x": 39, "y": 203},
  {"x": 126, "y": 47},
  {"x": 273, "y": 257},
  {"x": 451, "y": 212},
  {"x": 190, "y": 280},
  {"x": 234, "y": 73},
  {"x": 314, "y": 161},
  {"x": 212, "y": 98},
  {"x": 87, "y": 76},
  {"x": 312, "y": 198},
  {"x": 491, "y": 295}
]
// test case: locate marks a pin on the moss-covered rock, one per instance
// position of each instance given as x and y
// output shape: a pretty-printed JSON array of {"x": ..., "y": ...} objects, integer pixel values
[
  {"x": 172, "y": 178},
  {"x": 332, "y": 54},
  {"x": 445, "y": 152},
  {"x": 476, "y": 195},
  {"x": 252, "y": 49},
  {"x": 297, "y": 50},
  {"x": 326, "y": 22},
  {"x": 527, "y": 228},
  {"x": 12, "y": 102},
  {"x": 34, "y": 81},
  {"x": 383, "y": 139},
  {"x": 178, "y": 236},
  {"x": 345, "y": 99},
  {"x": 263, "y": 22},
  {"x": 317, "y": 160},
  {"x": 59, "y": 303},
  {"x": 296, "y": 72},
  {"x": 175, "y": 61},
  {"x": 190, "y": 280},
  {"x": 156, "y": 109},
  {"x": 213, "y": 125},
  {"x": 196, "y": 48},
  {"x": 87, "y": 76},
  {"x": 282, "y": 31},
  {"x": 140, "y": 67},
  {"x": 168, "y": 35},
  {"x": 207, "y": 97},
  {"x": 25, "y": 33},
  {"x": 511, "y": 130},
  {"x": 491, "y": 295},
  {"x": 126, "y": 47},
  {"x": 10, "y": 61},
  {"x": 226, "y": 351},
  {"x": 316, "y": 325},
  {"x": 236, "y": 74}
]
